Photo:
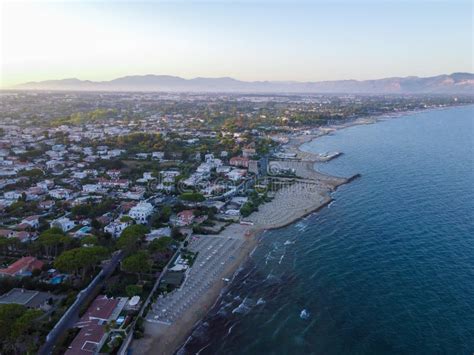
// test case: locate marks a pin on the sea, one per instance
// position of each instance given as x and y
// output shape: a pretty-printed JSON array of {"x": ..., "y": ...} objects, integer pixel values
[{"x": 387, "y": 268}]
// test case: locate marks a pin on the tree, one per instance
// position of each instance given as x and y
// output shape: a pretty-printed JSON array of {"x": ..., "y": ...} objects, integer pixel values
[
  {"x": 133, "y": 290},
  {"x": 96, "y": 224},
  {"x": 137, "y": 263},
  {"x": 160, "y": 244},
  {"x": 131, "y": 238},
  {"x": 80, "y": 259},
  {"x": 165, "y": 214},
  {"x": 51, "y": 239},
  {"x": 192, "y": 196},
  {"x": 17, "y": 325}
]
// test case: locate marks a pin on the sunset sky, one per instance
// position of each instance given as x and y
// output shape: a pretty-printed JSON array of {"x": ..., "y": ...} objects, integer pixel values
[{"x": 247, "y": 40}]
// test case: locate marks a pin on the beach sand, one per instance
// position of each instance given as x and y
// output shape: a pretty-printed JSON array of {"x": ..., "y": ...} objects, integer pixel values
[
  {"x": 301, "y": 197},
  {"x": 166, "y": 339}
]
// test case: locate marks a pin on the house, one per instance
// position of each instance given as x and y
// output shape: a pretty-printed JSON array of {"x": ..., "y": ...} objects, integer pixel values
[
  {"x": 64, "y": 223},
  {"x": 102, "y": 309},
  {"x": 169, "y": 176},
  {"x": 6, "y": 233},
  {"x": 115, "y": 152},
  {"x": 79, "y": 175},
  {"x": 45, "y": 184},
  {"x": 146, "y": 177},
  {"x": 93, "y": 334},
  {"x": 12, "y": 195},
  {"x": 236, "y": 174},
  {"x": 114, "y": 174},
  {"x": 239, "y": 161},
  {"x": 135, "y": 194},
  {"x": 60, "y": 194},
  {"x": 22, "y": 236},
  {"x": 141, "y": 212},
  {"x": 142, "y": 156},
  {"x": 88, "y": 341},
  {"x": 46, "y": 205},
  {"x": 184, "y": 218},
  {"x": 28, "y": 298},
  {"x": 248, "y": 152},
  {"x": 22, "y": 267},
  {"x": 116, "y": 228},
  {"x": 158, "y": 155},
  {"x": 91, "y": 188},
  {"x": 121, "y": 183},
  {"x": 32, "y": 221},
  {"x": 223, "y": 169}
]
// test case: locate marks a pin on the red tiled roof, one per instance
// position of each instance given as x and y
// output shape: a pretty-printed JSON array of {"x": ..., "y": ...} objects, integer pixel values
[
  {"x": 21, "y": 235},
  {"x": 22, "y": 226},
  {"x": 87, "y": 340},
  {"x": 101, "y": 308},
  {"x": 27, "y": 263},
  {"x": 5, "y": 232}
]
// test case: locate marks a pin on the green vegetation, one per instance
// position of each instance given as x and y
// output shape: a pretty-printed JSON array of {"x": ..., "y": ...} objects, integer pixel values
[
  {"x": 34, "y": 174},
  {"x": 131, "y": 238},
  {"x": 90, "y": 240},
  {"x": 192, "y": 196},
  {"x": 161, "y": 217},
  {"x": 133, "y": 290},
  {"x": 252, "y": 204},
  {"x": 92, "y": 209},
  {"x": 82, "y": 258},
  {"x": 138, "y": 142},
  {"x": 21, "y": 208},
  {"x": 52, "y": 240},
  {"x": 18, "y": 329},
  {"x": 160, "y": 244},
  {"x": 79, "y": 118},
  {"x": 137, "y": 263}
]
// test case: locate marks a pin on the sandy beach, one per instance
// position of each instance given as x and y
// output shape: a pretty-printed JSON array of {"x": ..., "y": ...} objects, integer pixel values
[{"x": 298, "y": 197}]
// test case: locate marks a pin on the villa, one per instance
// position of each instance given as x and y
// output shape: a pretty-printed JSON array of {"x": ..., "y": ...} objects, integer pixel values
[
  {"x": 22, "y": 267},
  {"x": 141, "y": 212}
]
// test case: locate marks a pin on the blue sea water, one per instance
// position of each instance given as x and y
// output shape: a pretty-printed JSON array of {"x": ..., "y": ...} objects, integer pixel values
[{"x": 388, "y": 268}]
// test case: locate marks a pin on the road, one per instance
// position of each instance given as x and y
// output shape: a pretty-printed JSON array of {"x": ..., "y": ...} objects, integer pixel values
[{"x": 72, "y": 314}]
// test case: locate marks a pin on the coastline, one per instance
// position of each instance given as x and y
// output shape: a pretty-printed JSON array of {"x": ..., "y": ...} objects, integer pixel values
[
  {"x": 304, "y": 201},
  {"x": 288, "y": 206}
]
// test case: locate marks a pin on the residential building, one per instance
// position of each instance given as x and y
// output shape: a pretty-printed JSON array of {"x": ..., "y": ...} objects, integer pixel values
[
  {"x": 22, "y": 267},
  {"x": 28, "y": 298},
  {"x": 239, "y": 161},
  {"x": 141, "y": 212},
  {"x": 63, "y": 223}
]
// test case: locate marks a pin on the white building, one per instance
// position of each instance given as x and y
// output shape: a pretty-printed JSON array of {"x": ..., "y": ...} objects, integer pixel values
[
  {"x": 158, "y": 155},
  {"x": 141, "y": 212},
  {"x": 64, "y": 223},
  {"x": 60, "y": 193},
  {"x": 91, "y": 188},
  {"x": 116, "y": 228},
  {"x": 12, "y": 195}
]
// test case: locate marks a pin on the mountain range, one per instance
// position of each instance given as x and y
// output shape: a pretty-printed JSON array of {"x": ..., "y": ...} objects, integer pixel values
[{"x": 456, "y": 83}]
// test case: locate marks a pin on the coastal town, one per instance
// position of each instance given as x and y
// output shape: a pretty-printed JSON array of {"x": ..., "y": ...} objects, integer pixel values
[{"x": 123, "y": 215}]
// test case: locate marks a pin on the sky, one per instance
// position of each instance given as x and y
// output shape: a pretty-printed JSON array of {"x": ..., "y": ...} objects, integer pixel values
[{"x": 247, "y": 40}]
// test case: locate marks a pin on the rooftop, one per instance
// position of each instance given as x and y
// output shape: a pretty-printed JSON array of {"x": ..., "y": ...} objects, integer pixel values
[{"x": 27, "y": 298}]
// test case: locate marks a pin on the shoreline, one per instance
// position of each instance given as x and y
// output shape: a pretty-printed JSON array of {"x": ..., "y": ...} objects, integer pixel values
[{"x": 169, "y": 339}]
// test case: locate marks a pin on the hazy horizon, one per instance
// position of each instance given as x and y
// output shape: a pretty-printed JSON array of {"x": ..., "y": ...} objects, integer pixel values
[{"x": 258, "y": 41}]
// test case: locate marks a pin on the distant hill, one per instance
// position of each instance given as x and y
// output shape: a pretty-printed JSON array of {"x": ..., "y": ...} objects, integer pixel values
[{"x": 459, "y": 83}]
